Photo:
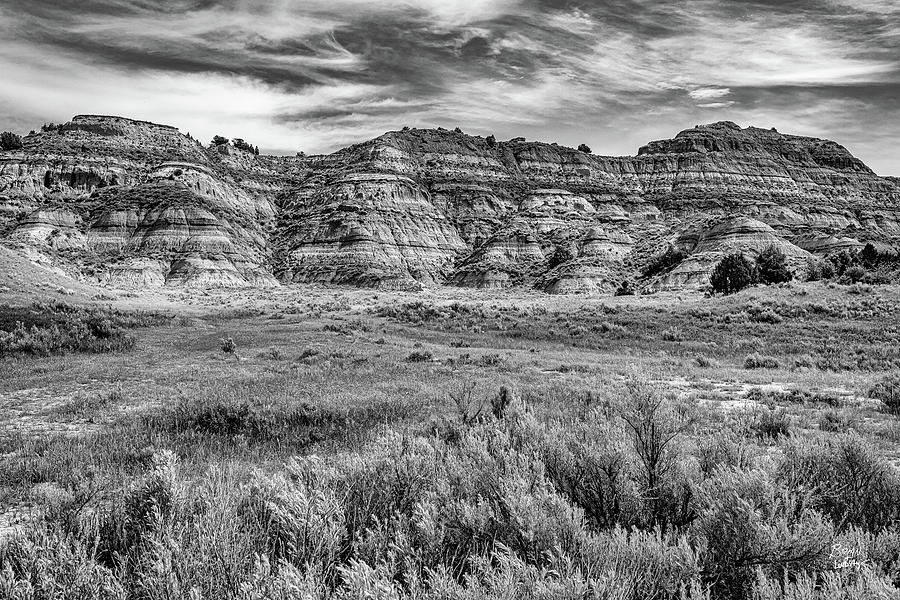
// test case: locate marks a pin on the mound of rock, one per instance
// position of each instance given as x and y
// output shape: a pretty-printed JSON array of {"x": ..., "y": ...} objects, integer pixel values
[{"x": 114, "y": 199}]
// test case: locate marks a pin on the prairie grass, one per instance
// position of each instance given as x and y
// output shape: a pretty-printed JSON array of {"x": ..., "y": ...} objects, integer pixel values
[{"x": 323, "y": 462}]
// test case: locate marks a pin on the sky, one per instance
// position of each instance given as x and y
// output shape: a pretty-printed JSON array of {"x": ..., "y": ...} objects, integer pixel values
[{"x": 317, "y": 75}]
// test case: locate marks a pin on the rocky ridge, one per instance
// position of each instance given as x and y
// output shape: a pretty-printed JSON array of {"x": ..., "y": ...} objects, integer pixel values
[{"x": 129, "y": 202}]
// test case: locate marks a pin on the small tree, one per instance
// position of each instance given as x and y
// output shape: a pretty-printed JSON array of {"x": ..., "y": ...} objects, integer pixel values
[
  {"x": 218, "y": 140},
  {"x": 771, "y": 266},
  {"x": 240, "y": 144},
  {"x": 584, "y": 148},
  {"x": 868, "y": 255},
  {"x": 843, "y": 260},
  {"x": 732, "y": 274},
  {"x": 491, "y": 141},
  {"x": 10, "y": 141}
]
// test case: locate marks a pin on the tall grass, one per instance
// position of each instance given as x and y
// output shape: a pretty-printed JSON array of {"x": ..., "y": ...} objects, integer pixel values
[{"x": 615, "y": 500}]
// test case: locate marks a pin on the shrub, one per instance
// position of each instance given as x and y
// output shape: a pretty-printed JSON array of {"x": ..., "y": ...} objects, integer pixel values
[
  {"x": 750, "y": 525},
  {"x": 888, "y": 391},
  {"x": 655, "y": 428},
  {"x": 219, "y": 140},
  {"x": 771, "y": 266},
  {"x": 47, "y": 564},
  {"x": 847, "y": 479},
  {"x": 46, "y": 329},
  {"x": 228, "y": 345},
  {"x": 724, "y": 449},
  {"x": 843, "y": 260},
  {"x": 589, "y": 465},
  {"x": 834, "y": 421},
  {"x": 10, "y": 141},
  {"x": 663, "y": 263},
  {"x": 245, "y": 146},
  {"x": 732, "y": 274},
  {"x": 868, "y": 256},
  {"x": 420, "y": 356},
  {"x": 854, "y": 274},
  {"x": 703, "y": 362},
  {"x": 758, "y": 361},
  {"x": 584, "y": 148},
  {"x": 625, "y": 289},
  {"x": 637, "y": 565},
  {"x": 303, "y": 524},
  {"x": 673, "y": 334},
  {"x": 491, "y": 141},
  {"x": 771, "y": 423}
]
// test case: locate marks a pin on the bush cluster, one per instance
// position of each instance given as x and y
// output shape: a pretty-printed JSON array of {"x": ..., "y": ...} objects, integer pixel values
[
  {"x": 866, "y": 265},
  {"x": 614, "y": 504},
  {"x": 45, "y": 329},
  {"x": 10, "y": 141},
  {"x": 734, "y": 272},
  {"x": 663, "y": 263}
]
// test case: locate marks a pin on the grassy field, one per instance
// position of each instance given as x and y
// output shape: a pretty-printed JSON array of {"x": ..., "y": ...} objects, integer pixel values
[{"x": 340, "y": 443}]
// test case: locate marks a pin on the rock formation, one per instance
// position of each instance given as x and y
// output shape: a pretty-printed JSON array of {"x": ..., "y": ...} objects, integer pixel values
[{"x": 131, "y": 202}]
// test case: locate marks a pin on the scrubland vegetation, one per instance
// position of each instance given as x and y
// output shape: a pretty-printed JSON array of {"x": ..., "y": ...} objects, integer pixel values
[
  {"x": 403, "y": 447},
  {"x": 45, "y": 329}
]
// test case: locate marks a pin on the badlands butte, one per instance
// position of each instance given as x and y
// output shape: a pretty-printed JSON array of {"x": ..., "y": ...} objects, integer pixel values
[{"x": 116, "y": 201}]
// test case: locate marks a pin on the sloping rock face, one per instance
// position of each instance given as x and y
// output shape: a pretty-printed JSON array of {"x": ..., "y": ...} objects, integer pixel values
[
  {"x": 564, "y": 221},
  {"x": 709, "y": 241},
  {"x": 368, "y": 228},
  {"x": 138, "y": 203}
]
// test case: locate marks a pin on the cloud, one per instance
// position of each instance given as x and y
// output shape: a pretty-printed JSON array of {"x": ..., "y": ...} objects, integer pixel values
[
  {"x": 317, "y": 74},
  {"x": 708, "y": 93},
  {"x": 717, "y": 104}
]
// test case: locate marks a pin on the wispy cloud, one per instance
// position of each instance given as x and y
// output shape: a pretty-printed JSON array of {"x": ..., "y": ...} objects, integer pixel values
[
  {"x": 708, "y": 93},
  {"x": 318, "y": 74}
]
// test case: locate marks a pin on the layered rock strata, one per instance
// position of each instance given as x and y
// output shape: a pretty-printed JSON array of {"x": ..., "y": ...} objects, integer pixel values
[{"x": 133, "y": 202}]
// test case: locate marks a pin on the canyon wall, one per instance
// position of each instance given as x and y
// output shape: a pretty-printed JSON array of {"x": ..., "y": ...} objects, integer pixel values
[{"x": 115, "y": 200}]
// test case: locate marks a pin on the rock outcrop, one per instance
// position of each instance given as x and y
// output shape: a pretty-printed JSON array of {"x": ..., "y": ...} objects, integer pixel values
[
  {"x": 135, "y": 203},
  {"x": 131, "y": 202}
]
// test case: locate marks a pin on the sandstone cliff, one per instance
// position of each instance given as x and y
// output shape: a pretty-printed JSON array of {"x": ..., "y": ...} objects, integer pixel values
[{"x": 133, "y": 202}]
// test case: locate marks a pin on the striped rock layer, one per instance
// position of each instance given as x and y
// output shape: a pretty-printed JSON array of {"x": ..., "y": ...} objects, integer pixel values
[{"x": 130, "y": 202}]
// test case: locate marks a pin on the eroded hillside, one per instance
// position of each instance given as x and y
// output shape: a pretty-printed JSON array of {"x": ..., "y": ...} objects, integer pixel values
[{"x": 110, "y": 199}]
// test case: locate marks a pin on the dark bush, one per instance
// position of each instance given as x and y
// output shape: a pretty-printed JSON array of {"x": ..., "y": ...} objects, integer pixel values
[
  {"x": 663, "y": 263},
  {"x": 419, "y": 356},
  {"x": 245, "y": 146},
  {"x": 758, "y": 361},
  {"x": 10, "y": 141},
  {"x": 46, "y": 329},
  {"x": 625, "y": 289},
  {"x": 732, "y": 274},
  {"x": 826, "y": 269},
  {"x": 771, "y": 266},
  {"x": 888, "y": 391},
  {"x": 562, "y": 254},
  {"x": 491, "y": 141},
  {"x": 868, "y": 256},
  {"x": 772, "y": 423},
  {"x": 584, "y": 148},
  {"x": 843, "y": 260},
  {"x": 218, "y": 140},
  {"x": 854, "y": 274},
  {"x": 228, "y": 345}
]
